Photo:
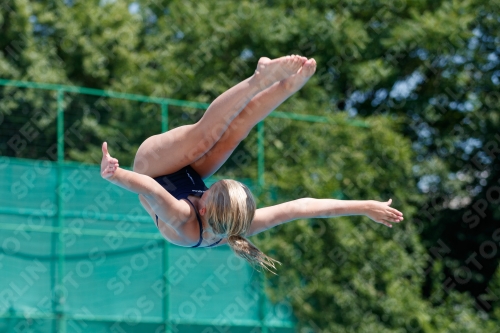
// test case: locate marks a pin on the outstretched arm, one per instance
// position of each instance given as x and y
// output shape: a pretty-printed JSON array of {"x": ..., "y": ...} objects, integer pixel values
[
  {"x": 169, "y": 209},
  {"x": 268, "y": 217}
]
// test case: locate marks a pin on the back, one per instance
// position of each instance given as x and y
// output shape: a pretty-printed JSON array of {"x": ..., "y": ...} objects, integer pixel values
[{"x": 183, "y": 183}]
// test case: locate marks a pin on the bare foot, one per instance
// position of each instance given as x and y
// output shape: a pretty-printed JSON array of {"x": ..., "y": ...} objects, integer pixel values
[
  {"x": 269, "y": 71},
  {"x": 297, "y": 81}
]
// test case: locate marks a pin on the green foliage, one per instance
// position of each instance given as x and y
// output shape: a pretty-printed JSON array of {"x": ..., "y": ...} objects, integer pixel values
[
  {"x": 423, "y": 74},
  {"x": 337, "y": 271}
]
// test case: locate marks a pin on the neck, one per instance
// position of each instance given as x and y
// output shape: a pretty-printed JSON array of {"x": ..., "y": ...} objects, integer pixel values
[{"x": 197, "y": 204}]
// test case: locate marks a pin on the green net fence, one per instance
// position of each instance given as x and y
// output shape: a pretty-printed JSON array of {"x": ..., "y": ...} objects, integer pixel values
[
  {"x": 99, "y": 264},
  {"x": 78, "y": 254}
]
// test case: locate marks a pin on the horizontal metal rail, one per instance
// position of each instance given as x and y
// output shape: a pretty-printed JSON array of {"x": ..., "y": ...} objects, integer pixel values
[
  {"x": 159, "y": 100},
  {"x": 74, "y": 214},
  {"x": 147, "y": 320},
  {"x": 101, "y": 93},
  {"x": 79, "y": 231}
]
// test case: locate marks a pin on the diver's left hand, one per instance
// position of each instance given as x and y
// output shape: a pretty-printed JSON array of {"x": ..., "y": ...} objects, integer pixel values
[{"x": 381, "y": 212}]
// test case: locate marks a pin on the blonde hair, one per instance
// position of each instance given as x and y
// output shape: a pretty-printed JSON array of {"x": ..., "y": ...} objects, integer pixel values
[{"x": 230, "y": 210}]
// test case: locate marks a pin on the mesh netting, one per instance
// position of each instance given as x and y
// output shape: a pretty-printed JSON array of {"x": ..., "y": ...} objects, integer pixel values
[{"x": 98, "y": 264}]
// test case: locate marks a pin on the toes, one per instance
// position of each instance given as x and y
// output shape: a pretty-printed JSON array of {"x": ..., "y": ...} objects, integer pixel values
[
  {"x": 294, "y": 63},
  {"x": 310, "y": 67},
  {"x": 313, "y": 62},
  {"x": 264, "y": 61},
  {"x": 289, "y": 60},
  {"x": 297, "y": 60}
]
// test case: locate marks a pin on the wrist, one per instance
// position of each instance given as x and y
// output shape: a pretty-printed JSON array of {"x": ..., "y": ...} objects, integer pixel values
[
  {"x": 367, "y": 206},
  {"x": 112, "y": 177},
  {"x": 116, "y": 174}
]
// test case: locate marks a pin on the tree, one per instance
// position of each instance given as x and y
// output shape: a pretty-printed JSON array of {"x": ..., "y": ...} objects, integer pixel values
[{"x": 423, "y": 75}]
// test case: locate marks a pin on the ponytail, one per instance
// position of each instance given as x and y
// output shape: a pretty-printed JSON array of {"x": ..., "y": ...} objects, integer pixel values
[
  {"x": 230, "y": 211},
  {"x": 246, "y": 250}
]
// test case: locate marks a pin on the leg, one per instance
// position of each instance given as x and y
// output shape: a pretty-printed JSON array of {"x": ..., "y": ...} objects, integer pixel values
[
  {"x": 168, "y": 152},
  {"x": 256, "y": 110}
]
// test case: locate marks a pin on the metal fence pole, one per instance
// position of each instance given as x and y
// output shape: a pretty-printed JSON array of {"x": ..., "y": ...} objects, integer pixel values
[
  {"x": 166, "y": 296},
  {"x": 262, "y": 302},
  {"x": 260, "y": 177},
  {"x": 164, "y": 117},
  {"x": 260, "y": 153},
  {"x": 61, "y": 320}
]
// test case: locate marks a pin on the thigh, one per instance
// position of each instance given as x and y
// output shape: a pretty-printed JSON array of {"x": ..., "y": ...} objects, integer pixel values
[
  {"x": 258, "y": 108},
  {"x": 168, "y": 152},
  {"x": 215, "y": 157},
  {"x": 209, "y": 163}
]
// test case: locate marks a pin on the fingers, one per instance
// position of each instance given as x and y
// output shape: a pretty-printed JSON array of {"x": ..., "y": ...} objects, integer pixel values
[
  {"x": 394, "y": 217},
  {"x": 110, "y": 170},
  {"x": 113, "y": 166},
  {"x": 389, "y": 219},
  {"x": 388, "y": 215},
  {"x": 386, "y": 223},
  {"x": 113, "y": 163},
  {"x": 105, "y": 149},
  {"x": 395, "y": 211}
]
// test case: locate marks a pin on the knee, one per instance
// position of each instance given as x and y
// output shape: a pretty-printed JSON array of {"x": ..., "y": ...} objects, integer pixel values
[
  {"x": 146, "y": 155},
  {"x": 141, "y": 163}
]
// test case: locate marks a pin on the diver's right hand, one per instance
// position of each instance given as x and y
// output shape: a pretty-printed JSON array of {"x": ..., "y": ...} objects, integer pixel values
[{"x": 108, "y": 164}]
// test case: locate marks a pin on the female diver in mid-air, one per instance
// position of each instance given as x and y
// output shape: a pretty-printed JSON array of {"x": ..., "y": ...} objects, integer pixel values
[{"x": 169, "y": 169}]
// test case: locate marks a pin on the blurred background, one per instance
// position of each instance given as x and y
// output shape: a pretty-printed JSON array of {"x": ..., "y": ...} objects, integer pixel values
[{"x": 404, "y": 105}]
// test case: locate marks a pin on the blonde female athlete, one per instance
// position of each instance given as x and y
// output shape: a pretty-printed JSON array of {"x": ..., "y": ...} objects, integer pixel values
[{"x": 169, "y": 169}]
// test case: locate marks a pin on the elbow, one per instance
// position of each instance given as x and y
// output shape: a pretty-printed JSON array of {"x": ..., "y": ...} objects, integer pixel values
[
  {"x": 303, "y": 207},
  {"x": 306, "y": 201}
]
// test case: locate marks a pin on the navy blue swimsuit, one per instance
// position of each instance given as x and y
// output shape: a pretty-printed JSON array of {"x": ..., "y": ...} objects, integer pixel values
[{"x": 181, "y": 184}]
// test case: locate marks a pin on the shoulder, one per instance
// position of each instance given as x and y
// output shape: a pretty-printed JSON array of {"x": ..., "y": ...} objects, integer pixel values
[{"x": 182, "y": 234}]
